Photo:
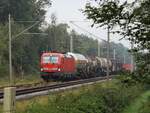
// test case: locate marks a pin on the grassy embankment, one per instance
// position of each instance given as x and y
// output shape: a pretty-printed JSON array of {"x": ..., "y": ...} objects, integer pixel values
[
  {"x": 23, "y": 105},
  {"x": 98, "y": 98},
  {"x": 26, "y": 79},
  {"x": 140, "y": 105}
]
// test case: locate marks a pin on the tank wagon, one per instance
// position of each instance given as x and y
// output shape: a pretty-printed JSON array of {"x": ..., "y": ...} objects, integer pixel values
[{"x": 73, "y": 65}]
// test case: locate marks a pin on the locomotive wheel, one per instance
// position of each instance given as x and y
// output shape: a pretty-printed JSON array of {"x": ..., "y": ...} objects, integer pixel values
[{"x": 45, "y": 78}]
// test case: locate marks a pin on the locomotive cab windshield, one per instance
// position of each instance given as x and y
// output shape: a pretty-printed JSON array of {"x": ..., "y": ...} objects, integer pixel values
[{"x": 50, "y": 59}]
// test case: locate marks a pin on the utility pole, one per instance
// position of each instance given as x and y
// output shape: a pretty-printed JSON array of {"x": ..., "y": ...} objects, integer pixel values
[
  {"x": 98, "y": 48},
  {"x": 108, "y": 49},
  {"x": 124, "y": 59},
  {"x": 71, "y": 44},
  {"x": 10, "y": 92},
  {"x": 114, "y": 54},
  {"x": 10, "y": 55},
  {"x": 132, "y": 58}
]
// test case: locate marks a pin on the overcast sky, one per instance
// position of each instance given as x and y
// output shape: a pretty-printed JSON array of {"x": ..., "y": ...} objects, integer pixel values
[{"x": 69, "y": 10}]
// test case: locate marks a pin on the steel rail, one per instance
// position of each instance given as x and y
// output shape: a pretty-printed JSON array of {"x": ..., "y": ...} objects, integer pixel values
[{"x": 25, "y": 91}]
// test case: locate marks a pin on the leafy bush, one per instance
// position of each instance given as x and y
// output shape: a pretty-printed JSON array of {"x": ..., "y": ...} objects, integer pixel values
[
  {"x": 146, "y": 107},
  {"x": 98, "y": 99},
  {"x": 142, "y": 73},
  {"x": 132, "y": 79},
  {"x": 3, "y": 70},
  {"x": 127, "y": 79}
]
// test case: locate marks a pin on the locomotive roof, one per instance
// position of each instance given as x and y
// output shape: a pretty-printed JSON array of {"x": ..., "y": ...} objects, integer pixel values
[
  {"x": 77, "y": 56},
  {"x": 51, "y": 53}
]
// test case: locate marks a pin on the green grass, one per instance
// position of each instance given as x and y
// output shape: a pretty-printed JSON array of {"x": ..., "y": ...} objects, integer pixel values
[
  {"x": 97, "y": 98},
  {"x": 26, "y": 79},
  {"x": 145, "y": 108},
  {"x": 138, "y": 105}
]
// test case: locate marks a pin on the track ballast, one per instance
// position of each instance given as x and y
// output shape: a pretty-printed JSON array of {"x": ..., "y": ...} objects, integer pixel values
[{"x": 27, "y": 91}]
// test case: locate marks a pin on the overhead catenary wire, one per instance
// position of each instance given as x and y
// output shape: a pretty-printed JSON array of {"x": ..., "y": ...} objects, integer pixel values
[
  {"x": 23, "y": 21},
  {"x": 72, "y": 22},
  {"x": 28, "y": 28},
  {"x": 79, "y": 21},
  {"x": 108, "y": 44}
]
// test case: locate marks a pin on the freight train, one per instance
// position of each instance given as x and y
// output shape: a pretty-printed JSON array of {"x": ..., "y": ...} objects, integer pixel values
[{"x": 55, "y": 65}]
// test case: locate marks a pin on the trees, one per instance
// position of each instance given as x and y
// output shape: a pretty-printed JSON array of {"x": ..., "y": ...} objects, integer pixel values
[
  {"x": 23, "y": 9},
  {"x": 104, "y": 13},
  {"x": 132, "y": 20},
  {"x": 26, "y": 49},
  {"x": 3, "y": 50},
  {"x": 138, "y": 26},
  {"x": 58, "y": 37},
  {"x": 107, "y": 13},
  {"x": 137, "y": 30}
]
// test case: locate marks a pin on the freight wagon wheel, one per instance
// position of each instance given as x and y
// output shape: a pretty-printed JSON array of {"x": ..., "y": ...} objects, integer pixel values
[{"x": 99, "y": 72}]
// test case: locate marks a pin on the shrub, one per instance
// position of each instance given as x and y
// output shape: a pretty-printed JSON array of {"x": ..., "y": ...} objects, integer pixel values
[
  {"x": 3, "y": 70},
  {"x": 146, "y": 107},
  {"x": 98, "y": 99}
]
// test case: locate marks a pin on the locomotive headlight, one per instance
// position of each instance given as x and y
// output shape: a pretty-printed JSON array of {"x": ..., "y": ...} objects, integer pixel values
[
  {"x": 58, "y": 69},
  {"x": 41, "y": 69}
]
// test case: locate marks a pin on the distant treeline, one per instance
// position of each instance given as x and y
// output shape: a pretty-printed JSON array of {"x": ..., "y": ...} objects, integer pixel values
[{"x": 26, "y": 48}]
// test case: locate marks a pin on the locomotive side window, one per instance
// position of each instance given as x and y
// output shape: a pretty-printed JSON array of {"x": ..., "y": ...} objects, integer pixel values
[
  {"x": 46, "y": 59},
  {"x": 50, "y": 59},
  {"x": 53, "y": 59}
]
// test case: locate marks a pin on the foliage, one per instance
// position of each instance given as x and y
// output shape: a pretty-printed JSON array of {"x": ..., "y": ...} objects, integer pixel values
[
  {"x": 105, "y": 12},
  {"x": 58, "y": 38},
  {"x": 23, "y": 9},
  {"x": 138, "y": 31},
  {"x": 132, "y": 21},
  {"x": 142, "y": 72},
  {"x": 3, "y": 70},
  {"x": 140, "y": 104},
  {"x": 127, "y": 79},
  {"x": 26, "y": 49},
  {"x": 137, "y": 28},
  {"x": 97, "y": 99},
  {"x": 145, "y": 107}
]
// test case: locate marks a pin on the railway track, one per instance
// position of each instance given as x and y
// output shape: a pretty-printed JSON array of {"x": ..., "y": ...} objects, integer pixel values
[
  {"x": 31, "y": 85},
  {"x": 47, "y": 88}
]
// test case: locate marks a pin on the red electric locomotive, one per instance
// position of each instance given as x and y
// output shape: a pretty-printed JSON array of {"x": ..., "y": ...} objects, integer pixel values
[
  {"x": 58, "y": 65},
  {"x": 54, "y": 65}
]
